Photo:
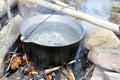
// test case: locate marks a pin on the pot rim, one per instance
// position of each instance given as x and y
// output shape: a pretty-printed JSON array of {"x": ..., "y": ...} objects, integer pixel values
[{"x": 27, "y": 41}]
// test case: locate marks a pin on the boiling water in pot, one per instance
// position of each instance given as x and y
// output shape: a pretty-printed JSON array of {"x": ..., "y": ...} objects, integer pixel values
[
  {"x": 56, "y": 34},
  {"x": 51, "y": 38}
]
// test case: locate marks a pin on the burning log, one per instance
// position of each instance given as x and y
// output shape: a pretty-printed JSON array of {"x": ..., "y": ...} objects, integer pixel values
[
  {"x": 3, "y": 8},
  {"x": 80, "y": 15},
  {"x": 26, "y": 68},
  {"x": 8, "y": 36},
  {"x": 68, "y": 73}
]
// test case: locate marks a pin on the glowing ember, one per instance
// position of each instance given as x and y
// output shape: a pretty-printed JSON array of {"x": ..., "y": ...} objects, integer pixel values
[
  {"x": 16, "y": 62},
  {"x": 50, "y": 76}
]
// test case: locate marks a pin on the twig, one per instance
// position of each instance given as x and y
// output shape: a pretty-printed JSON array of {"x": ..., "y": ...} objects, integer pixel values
[
  {"x": 88, "y": 71},
  {"x": 67, "y": 73},
  {"x": 4, "y": 76},
  {"x": 71, "y": 72},
  {"x": 47, "y": 71},
  {"x": 46, "y": 77},
  {"x": 71, "y": 62},
  {"x": 10, "y": 62}
]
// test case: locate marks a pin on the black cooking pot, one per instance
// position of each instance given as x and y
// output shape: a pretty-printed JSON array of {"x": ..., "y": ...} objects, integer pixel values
[{"x": 54, "y": 42}]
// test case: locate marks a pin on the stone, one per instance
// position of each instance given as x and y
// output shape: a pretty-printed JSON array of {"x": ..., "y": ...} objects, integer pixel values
[
  {"x": 98, "y": 74},
  {"x": 101, "y": 37},
  {"x": 106, "y": 58},
  {"x": 115, "y": 17},
  {"x": 112, "y": 75},
  {"x": 8, "y": 35},
  {"x": 116, "y": 3},
  {"x": 102, "y": 74}
]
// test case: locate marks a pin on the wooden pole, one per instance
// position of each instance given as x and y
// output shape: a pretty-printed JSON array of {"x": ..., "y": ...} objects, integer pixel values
[{"x": 80, "y": 15}]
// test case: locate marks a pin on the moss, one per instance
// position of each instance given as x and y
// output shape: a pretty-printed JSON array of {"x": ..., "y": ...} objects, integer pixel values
[{"x": 116, "y": 9}]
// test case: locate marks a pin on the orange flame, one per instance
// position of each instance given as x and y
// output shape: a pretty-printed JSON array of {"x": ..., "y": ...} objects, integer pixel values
[
  {"x": 50, "y": 76},
  {"x": 16, "y": 62},
  {"x": 33, "y": 72}
]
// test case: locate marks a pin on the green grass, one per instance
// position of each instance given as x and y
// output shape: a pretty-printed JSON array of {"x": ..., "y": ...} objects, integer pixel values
[{"x": 116, "y": 9}]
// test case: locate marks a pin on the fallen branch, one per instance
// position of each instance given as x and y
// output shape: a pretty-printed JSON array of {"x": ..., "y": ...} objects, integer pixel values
[{"x": 80, "y": 15}]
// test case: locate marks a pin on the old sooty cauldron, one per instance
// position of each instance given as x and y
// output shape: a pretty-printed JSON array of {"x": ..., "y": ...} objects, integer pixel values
[{"x": 53, "y": 42}]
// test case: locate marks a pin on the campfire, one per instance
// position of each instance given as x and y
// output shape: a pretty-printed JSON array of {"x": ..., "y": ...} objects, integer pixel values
[
  {"x": 19, "y": 66},
  {"x": 65, "y": 52}
]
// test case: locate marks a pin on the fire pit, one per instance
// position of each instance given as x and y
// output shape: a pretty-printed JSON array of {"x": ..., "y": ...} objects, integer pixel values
[
  {"x": 22, "y": 68},
  {"x": 51, "y": 40}
]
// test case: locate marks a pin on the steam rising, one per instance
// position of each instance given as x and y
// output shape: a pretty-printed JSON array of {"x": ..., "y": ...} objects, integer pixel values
[{"x": 96, "y": 8}]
